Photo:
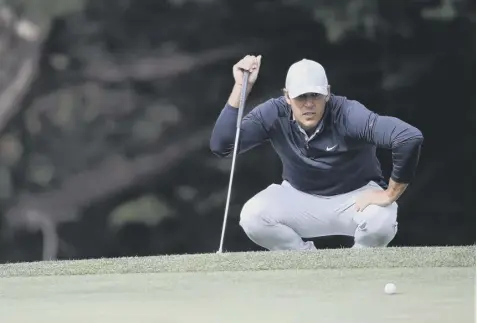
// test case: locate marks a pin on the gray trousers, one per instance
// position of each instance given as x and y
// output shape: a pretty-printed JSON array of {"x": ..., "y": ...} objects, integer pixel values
[{"x": 278, "y": 217}]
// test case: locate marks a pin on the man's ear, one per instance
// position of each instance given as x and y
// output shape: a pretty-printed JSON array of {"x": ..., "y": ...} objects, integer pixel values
[{"x": 287, "y": 97}]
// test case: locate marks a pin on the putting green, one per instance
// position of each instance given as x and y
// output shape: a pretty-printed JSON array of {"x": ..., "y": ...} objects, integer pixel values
[{"x": 441, "y": 293}]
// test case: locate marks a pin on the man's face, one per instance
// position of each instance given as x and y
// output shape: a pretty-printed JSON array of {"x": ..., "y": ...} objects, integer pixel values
[{"x": 308, "y": 109}]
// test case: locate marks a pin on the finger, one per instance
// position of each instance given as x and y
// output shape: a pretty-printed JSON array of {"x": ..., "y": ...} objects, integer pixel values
[
  {"x": 252, "y": 65},
  {"x": 363, "y": 207},
  {"x": 242, "y": 66},
  {"x": 256, "y": 65},
  {"x": 254, "y": 62},
  {"x": 247, "y": 64}
]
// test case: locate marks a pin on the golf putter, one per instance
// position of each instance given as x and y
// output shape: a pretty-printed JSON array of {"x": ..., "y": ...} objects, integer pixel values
[{"x": 234, "y": 155}]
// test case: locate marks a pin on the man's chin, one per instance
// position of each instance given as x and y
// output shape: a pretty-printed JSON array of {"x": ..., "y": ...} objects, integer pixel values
[{"x": 308, "y": 124}]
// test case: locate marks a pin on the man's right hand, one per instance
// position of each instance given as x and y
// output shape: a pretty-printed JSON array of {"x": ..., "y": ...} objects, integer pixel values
[{"x": 248, "y": 63}]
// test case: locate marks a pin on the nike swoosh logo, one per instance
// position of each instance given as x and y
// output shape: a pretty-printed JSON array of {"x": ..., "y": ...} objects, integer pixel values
[{"x": 331, "y": 148}]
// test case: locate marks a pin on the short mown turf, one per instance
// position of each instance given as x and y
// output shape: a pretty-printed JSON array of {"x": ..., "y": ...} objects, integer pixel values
[
  {"x": 328, "y": 286},
  {"x": 252, "y": 261}
]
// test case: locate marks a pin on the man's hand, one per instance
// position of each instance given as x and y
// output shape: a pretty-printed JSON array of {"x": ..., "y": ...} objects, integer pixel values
[
  {"x": 379, "y": 197},
  {"x": 248, "y": 63},
  {"x": 372, "y": 197}
]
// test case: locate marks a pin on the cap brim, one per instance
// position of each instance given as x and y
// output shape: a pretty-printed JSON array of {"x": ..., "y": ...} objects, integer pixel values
[{"x": 294, "y": 93}]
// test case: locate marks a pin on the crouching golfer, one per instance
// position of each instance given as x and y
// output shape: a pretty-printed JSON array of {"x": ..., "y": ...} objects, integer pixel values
[{"x": 332, "y": 180}]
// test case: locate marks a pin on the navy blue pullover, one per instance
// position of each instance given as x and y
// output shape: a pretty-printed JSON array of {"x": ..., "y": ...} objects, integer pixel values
[{"x": 342, "y": 155}]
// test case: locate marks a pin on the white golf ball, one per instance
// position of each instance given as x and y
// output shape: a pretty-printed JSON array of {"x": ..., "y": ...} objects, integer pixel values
[{"x": 390, "y": 288}]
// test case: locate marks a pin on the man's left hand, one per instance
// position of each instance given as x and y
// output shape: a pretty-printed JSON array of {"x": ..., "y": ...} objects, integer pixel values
[{"x": 373, "y": 197}]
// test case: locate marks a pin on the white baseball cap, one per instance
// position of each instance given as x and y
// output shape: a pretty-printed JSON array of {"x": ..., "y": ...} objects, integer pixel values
[{"x": 306, "y": 76}]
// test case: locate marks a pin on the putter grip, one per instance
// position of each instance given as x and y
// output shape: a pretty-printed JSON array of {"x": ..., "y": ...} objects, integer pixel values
[{"x": 243, "y": 95}]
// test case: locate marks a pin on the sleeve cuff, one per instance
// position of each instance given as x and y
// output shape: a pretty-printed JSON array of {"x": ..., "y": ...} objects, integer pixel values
[{"x": 230, "y": 108}]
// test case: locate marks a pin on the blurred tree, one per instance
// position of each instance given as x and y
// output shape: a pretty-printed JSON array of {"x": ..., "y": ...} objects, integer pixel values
[{"x": 103, "y": 103}]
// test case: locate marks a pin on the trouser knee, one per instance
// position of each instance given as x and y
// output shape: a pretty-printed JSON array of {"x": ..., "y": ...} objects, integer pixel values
[
  {"x": 252, "y": 218},
  {"x": 259, "y": 226},
  {"x": 379, "y": 230}
]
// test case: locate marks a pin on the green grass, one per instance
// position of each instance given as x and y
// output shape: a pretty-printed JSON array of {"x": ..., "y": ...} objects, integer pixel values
[
  {"x": 252, "y": 261},
  {"x": 336, "y": 285}
]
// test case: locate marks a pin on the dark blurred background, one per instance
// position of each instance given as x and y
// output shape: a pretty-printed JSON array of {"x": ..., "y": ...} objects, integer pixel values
[{"x": 106, "y": 110}]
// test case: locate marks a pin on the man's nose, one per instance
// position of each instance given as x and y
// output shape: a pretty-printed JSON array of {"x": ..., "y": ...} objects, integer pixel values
[{"x": 308, "y": 101}]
